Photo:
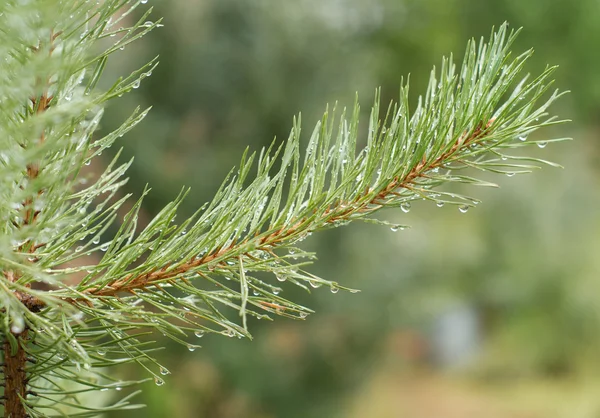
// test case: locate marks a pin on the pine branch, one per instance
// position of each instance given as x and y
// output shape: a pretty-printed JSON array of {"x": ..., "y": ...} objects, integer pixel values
[
  {"x": 218, "y": 265},
  {"x": 460, "y": 122},
  {"x": 363, "y": 205}
]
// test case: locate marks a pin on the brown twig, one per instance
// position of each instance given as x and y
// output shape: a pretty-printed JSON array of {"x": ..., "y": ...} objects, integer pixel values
[{"x": 15, "y": 378}]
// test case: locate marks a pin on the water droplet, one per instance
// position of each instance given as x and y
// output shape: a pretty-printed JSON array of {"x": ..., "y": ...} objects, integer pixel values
[
  {"x": 101, "y": 352},
  {"x": 96, "y": 240},
  {"x": 523, "y": 138},
  {"x": 158, "y": 381},
  {"x": 463, "y": 208},
  {"x": 395, "y": 228},
  {"x": 228, "y": 332},
  {"x": 303, "y": 315},
  {"x": 143, "y": 1},
  {"x": 315, "y": 284},
  {"x": 191, "y": 348},
  {"x": 148, "y": 24},
  {"x": 104, "y": 247},
  {"x": 276, "y": 290},
  {"x": 281, "y": 277},
  {"x": 405, "y": 207},
  {"x": 199, "y": 333},
  {"x": 439, "y": 204},
  {"x": 136, "y": 84},
  {"x": 79, "y": 248},
  {"x": 510, "y": 174},
  {"x": 88, "y": 162},
  {"x": 164, "y": 371},
  {"x": 118, "y": 388},
  {"x": 542, "y": 144},
  {"x": 18, "y": 325},
  {"x": 122, "y": 47},
  {"x": 334, "y": 289}
]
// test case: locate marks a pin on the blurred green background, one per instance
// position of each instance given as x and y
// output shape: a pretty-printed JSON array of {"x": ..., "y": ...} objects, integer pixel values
[{"x": 492, "y": 313}]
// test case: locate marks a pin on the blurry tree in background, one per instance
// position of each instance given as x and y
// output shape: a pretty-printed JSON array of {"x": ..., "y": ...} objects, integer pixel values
[{"x": 518, "y": 274}]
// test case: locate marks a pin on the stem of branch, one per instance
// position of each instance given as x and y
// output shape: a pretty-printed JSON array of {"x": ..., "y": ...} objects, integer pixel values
[
  {"x": 15, "y": 379},
  {"x": 15, "y": 376}
]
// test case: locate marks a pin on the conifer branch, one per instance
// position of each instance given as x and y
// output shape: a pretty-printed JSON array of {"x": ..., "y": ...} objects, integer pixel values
[
  {"x": 342, "y": 212},
  {"x": 235, "y": 252},
  {"x": 405, "y": 158}
]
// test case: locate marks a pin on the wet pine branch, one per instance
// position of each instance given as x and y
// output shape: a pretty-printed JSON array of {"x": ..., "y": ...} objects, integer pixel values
[{"x": 229, "y": 260}]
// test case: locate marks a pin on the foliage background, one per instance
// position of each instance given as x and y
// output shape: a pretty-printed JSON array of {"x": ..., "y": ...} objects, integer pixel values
[{"x": 516, "y": 277}]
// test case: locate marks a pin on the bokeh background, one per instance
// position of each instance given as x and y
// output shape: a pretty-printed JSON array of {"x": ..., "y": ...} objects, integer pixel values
[{"x": 493, "y": 313}]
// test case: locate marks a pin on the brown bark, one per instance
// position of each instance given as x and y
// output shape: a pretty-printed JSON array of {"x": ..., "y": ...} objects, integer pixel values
[{"x": 15, "y": 379}]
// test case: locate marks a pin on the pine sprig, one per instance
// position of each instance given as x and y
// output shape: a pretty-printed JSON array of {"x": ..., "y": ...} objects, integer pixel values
[
  {"x": 466, "y": 120},
  {"x": 228, "y": 261}
]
